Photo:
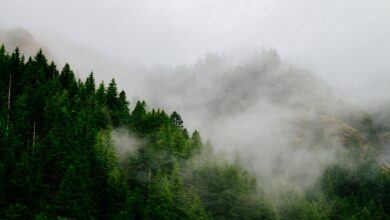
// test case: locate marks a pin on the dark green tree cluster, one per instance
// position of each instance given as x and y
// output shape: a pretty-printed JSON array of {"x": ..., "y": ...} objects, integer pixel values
[
  {"x": 52, "y": 157},
  {"x": 358, "y": 188},
  {"x": 57, "y": 156},
  {"x": 58, "y": 160},
  {"x": 231, "y": 193},
  {"x": 163, "y": 180}
]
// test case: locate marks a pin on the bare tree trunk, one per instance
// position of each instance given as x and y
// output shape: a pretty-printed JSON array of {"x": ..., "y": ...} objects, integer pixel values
[
  {"x": 9, "y": 99},
  {"x": 149, "y": 176},
  {"x": 33, "y": 142}
]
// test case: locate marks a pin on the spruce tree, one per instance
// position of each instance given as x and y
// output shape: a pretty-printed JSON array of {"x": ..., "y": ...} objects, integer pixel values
[
  {"x": 160, "y": 200},
  {"x": 112, "y": 96},
  {"x": 67, "y": 78}
]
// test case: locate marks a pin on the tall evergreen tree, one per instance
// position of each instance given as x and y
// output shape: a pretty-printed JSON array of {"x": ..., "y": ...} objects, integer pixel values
[
  {"x": 90, "y": 84},
  {"x": 67, "y": 78},
  {"x": 160, "y": 200},
  {"x": 112, "y": 96},
  {"x": 101, "y": 94},
  {"x": 176, "y": 120}
]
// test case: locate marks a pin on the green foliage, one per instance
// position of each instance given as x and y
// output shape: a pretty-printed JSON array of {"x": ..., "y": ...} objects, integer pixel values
[
  {"x": 358, "y": 188},
  {"x": 196, "y": 142},
  {"x": 160, "y": 199},
  {"x": 230, "y": 193},
  {"x": 74, "y": 198},
  {"x": 295, "y": 205},
  {"x": 58, "y": 160},
  {"x": 67, "y": 79},
  {"x": 186, "y": 202}
]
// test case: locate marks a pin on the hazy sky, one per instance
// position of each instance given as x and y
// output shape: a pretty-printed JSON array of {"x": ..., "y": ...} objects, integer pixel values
[{"x": 347, "y": 42}]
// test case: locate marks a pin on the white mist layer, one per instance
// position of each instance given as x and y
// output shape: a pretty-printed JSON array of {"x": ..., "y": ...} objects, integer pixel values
[
  {"x": 124, "y": 143},
  {"x": 277, "y": 116},
  {"x": 272, "y": 114}
]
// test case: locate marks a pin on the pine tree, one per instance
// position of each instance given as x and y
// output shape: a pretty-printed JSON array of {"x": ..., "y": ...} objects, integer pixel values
[
  {"x": 160, "y": 200},
  {"x": 138, "y": 117},
  {"x": 112, "y": 96},
  {"x": 196, "y": 142},
  {"x": 101, "y": 96},
  {"x": 52, "y": 72},
  {"x": 67, "y": 78},
  {"x": 186, "y": 203},
  {"x": 90, "y": 84},
  {"x": 123, "y": 113},
  {"x": 176, "y": 120},
  {"x": 74, "y": 199},
  {"x": 68, "y": 81}
]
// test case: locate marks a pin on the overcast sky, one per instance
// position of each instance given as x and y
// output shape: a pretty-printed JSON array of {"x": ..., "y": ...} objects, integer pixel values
[{"x": 347, "y": 42}]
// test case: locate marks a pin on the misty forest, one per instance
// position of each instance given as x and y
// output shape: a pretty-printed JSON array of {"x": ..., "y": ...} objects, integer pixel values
[
  {"x": 198, "y": 110},
  {"x": 73, "y": 148}
]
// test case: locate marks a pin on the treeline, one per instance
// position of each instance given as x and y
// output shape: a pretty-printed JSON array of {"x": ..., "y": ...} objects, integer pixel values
[
  {"x": 58, "y": 160},
  {"x": 57, "y": 156}
]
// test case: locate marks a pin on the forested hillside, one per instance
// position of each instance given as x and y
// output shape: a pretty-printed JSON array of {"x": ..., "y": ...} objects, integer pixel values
[{"x": 58, "y": 159}]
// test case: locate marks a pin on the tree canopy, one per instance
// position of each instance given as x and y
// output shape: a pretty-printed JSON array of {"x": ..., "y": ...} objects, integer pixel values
[{"x": 58, "y": 159}]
